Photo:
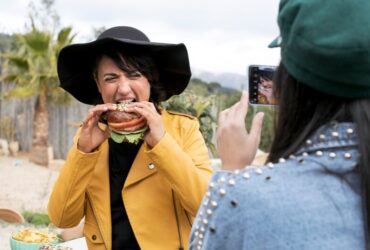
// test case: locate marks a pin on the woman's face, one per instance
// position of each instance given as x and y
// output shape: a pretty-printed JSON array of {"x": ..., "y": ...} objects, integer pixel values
[
  {"x": 116, "y": 85},
  {"x": 266, "y": 83}
]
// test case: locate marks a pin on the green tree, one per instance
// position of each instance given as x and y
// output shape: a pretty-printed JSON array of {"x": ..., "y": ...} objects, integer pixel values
[{"x": 31, "y": 67}]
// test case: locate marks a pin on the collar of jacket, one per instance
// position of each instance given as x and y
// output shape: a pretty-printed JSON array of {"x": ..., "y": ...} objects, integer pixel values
[{"x": 334, "y": 145}]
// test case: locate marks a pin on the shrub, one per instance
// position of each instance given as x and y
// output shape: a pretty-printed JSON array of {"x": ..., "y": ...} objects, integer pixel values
[{"x": 38, "y": 219}]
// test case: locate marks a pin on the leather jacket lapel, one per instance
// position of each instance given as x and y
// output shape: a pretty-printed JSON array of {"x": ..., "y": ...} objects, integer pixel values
[{"x": 141, "y": 168}]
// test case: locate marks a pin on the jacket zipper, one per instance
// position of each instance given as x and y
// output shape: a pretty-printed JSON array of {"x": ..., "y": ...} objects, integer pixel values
[{"x": 96, "y": 218}]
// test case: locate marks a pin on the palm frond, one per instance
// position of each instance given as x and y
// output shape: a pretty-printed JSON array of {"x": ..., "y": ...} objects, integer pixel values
[
  {"x": 17, "y": 61},
  {"x": 63, "y": 36},
  {"x": 14, "y": 76},
  {"x": 8, "y": 78},
  {"x": 48, "y": 80},
  {"x": 38, "y": 42},
  {"x": 70, "y": 40},
  {"x": 32, "y": 64},
  {"x": 18, "y": 92}
]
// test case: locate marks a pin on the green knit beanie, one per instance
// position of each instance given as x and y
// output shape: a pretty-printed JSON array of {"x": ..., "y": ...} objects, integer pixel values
[{"x": 325, "y": 44}]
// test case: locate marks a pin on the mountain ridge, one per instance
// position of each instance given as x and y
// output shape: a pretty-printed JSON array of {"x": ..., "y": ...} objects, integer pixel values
[{"x": 226, "y": 79}]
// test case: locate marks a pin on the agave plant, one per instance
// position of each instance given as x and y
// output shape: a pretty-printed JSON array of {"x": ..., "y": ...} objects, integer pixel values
[
  {"x": 203, "y": 108},
  {"x": 31, "y": 68}
]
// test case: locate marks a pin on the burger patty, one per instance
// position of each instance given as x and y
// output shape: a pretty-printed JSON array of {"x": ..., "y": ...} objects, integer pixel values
[
  {"x": 122, "y": 121},
  {"x": 116, "y": 116}
]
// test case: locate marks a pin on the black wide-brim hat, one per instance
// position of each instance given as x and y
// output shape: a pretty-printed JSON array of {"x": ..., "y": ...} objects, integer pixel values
[{"x": 75, "y": 63}]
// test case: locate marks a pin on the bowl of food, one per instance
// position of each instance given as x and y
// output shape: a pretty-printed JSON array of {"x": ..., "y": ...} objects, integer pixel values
[{"x": 32, "y": 239}]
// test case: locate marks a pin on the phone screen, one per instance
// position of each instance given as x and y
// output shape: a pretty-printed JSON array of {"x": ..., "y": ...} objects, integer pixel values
[{"x": 261, "y": 84}]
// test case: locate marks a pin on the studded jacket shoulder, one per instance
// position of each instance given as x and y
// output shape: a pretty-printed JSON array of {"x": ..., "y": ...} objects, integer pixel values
[{"x": 309, "y": 201}]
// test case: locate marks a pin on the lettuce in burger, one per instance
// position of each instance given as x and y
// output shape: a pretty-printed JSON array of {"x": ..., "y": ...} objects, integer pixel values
[{"x": 125, "y": 126}]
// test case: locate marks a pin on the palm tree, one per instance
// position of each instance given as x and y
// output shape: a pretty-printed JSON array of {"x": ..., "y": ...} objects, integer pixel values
[{"x": 31, "y": 67}]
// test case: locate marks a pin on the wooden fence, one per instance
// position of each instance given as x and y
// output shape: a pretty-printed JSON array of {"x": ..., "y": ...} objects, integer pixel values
[{"x": 63, "y": 122}]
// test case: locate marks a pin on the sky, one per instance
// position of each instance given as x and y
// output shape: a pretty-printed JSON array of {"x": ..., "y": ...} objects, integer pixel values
[{"x": 222, "y": 36}]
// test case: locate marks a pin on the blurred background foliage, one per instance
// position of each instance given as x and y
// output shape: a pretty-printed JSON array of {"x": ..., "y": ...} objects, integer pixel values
[{"x": 205, "y": 100}]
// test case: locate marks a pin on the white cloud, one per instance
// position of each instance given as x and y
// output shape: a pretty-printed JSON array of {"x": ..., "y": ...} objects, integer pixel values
[{"x": 221, "y": 36}]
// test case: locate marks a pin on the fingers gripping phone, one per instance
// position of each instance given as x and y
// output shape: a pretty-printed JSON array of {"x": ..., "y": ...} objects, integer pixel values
[{"x": 260, "y": 84}]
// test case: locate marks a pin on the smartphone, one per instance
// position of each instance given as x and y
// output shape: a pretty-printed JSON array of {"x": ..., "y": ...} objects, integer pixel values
[{"x": 260, "y": 84}]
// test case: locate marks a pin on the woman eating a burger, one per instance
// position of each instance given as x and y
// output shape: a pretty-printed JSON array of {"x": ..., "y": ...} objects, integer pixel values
[{"x": 135, "y": 173}]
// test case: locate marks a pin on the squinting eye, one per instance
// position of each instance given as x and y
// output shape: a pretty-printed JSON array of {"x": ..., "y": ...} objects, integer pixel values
[
  {"x": 110, "y": 79},
  {"x": 134, "y": 74}
]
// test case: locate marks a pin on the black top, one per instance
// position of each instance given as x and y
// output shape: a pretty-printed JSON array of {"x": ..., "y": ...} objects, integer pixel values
[{"x": 121, "y": 157}]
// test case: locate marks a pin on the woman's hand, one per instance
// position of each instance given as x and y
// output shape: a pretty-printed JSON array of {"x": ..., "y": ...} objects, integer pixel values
[
  {"x": 236, "y": 147},
  {"x": 154, "y": 120},
  {"x": 91, "y": 134}
]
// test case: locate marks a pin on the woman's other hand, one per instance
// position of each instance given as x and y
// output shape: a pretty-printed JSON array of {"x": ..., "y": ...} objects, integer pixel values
[
  {"x": 236, "y": 147},
  {"x": 92, "y": 135},
  {"x": 154, "y": 120}
]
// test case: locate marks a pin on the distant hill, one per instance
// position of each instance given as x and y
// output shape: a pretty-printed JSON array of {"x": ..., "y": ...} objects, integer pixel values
[{"x": 227, "y": 80}]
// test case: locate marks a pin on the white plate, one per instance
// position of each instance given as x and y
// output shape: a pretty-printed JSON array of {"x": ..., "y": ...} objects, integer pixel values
[{"x": 76, "y": 244}]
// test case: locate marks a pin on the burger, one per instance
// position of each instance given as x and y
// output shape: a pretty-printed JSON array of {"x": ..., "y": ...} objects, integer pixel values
[{"x": 125, "y": 126}]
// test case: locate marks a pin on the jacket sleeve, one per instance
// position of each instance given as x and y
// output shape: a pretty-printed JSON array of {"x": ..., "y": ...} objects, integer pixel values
[
  {"x": 184, "y": 163},
  {"x": 67, "y": 201}
]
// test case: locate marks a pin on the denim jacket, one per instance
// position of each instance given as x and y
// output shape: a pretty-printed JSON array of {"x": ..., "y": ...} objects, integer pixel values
[{"x": 309, "y": 201}]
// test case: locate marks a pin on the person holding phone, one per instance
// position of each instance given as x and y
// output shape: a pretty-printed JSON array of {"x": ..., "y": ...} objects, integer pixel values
[
  {"x": 314, "y": 191},
  {"x": 136, "y": 173}
]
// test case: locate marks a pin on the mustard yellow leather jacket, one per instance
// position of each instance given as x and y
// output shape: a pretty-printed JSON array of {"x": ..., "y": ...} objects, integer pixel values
[{"x": 162, "y": 192}]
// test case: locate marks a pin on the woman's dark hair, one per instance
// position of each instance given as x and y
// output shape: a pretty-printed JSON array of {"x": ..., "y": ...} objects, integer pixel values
[
  {"x": 130, "y": 63},
  {"x": 312, "y": 109},
  {"x": 267, "y": 74}
]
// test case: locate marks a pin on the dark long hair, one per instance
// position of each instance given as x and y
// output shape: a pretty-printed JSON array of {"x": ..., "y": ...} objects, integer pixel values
[{"x": 312, "y": 109}]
